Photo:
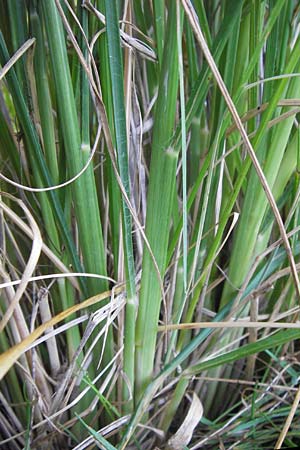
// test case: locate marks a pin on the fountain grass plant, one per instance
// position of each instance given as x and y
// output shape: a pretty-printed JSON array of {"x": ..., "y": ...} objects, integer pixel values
[{"x": 149, "y": 224}]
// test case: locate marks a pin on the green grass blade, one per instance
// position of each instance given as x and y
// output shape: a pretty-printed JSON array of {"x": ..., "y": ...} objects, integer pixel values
[
  {"x": 97, "y": 436},
  {"x": 85, "y": 196},
  {"x": 184, "y": 151},
  {"x": 280, "y": 338},
  {"x": 159, "y": 25},
  {"x": 116, "y": 71},
  {"x": 160, "y": 196},
  {"x": 44, "y": 99}
]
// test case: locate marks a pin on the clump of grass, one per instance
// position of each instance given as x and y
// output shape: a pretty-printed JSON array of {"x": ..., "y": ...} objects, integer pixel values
[{"x": 149, "y": 224}]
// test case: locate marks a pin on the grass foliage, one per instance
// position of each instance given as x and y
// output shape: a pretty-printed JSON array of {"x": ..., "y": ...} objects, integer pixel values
[{"x": 149, "y": 213}]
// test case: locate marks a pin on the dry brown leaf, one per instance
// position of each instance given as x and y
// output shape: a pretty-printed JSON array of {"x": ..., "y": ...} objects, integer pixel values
[{"x": 185, "y": 432}]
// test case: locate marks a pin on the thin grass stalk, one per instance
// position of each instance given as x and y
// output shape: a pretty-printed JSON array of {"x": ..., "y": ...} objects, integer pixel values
[
  {"x": 18, "y": 31},
  {"x": 116, "y": 71},
  {"x": 112, "y": 185},
  {"x": 160, "y": 195},
  {"x": 43, "y": 97},
  {"x": 183, "y": 276},
  {"x": 84, "y": 90},
  {"x": 144, "y": 21},
  {"x": 184, "y": 148}
]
